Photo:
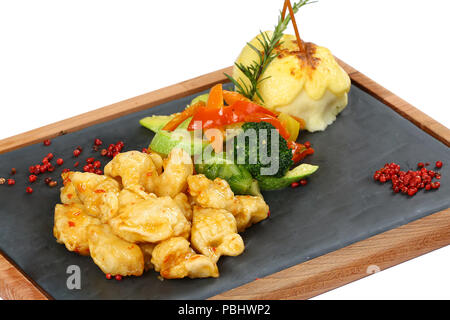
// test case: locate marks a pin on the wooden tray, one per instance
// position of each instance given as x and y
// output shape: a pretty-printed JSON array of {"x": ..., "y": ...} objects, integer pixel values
[{"x": 304, "y": 280}]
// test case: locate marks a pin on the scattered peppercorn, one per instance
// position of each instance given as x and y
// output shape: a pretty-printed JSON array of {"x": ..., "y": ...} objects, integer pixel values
[
  {"x": 103, "y": 152},
  {"x": 118, "y": 277},
  {"x": 29, "y": 190},
  {"x": 52, "y": 183},
  {"x": 438, "y": 164},
  {"x": 32, "y": 178},
  {"x": 47, "y": 142},
  {"x": 97, "y": 164},
  {"x": 59, "y": 161},
  {"x": 408, "y": 182},
  {"x": 11, "y": 182},
  {"x": 303, "y": 182},
  {"x": 76, "y": 152},
  {"x": 98, "y": 142},
  {"x": 295, "y": 184},
  {"x": 13, "y": 171},
  {"x": 108, "y": 276},
  {"x": 48, "y": 180}
]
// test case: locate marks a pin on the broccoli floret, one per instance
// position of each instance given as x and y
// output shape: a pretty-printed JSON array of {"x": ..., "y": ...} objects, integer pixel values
[{"x": 256, "y": 155}]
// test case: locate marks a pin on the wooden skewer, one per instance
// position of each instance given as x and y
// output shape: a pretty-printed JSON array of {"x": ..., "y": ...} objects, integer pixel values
[{"x": 300, "y": 43}]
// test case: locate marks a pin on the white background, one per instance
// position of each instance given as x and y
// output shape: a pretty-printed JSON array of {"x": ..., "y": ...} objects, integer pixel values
[{"x": 61, "y": 58}]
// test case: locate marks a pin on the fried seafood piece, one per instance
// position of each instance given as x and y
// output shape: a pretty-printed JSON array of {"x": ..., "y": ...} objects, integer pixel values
[
  {"x": 151, "y": 220},
  {"x": 127, "y": 197},
  {"x": 147, "y": 249},
  {"x": 183, "y": 203},
  {"x": 248, "y": 210},
  {"x": 135, "y": 169},
  {"x": 210, "y": 194},
  {"x": 97, "y": 193},
  {"x": 157, "y": 160},
  {"x": 174, "y": 259},
  {"x": 177, "y": 168},
  {"x": 70, "y": 228},
  {"x": 214, "y": 233},
  {"x": 217, "y": 194},
  {"x": 112, "y": 254}
]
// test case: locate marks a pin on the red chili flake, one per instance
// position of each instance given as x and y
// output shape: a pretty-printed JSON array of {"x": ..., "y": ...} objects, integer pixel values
[
  {"x": 90, "y": 160},
  {"x": 50, "y": 156},
  {"x": 76, "y": 164},
  {"x": 32, "y": 178},
  {"x": 66, "y": 170},
  {"x": 31, "y": 169},
  {"x": 97, "y": 164},
  {"x": 103, "y": 152},
  {"x": 108, "y": 276},
  {"x": 99, "y": 172},
  {"x": 29, "y": 190},
  {"x": 59, "y": 161},
  {"x": 303, "y": 182},
  {"x": 144, "y": 150},
  {"x": 76, "y": 152},
  {"x": 98, "y": 142},
  {"x": 70, "y": 196},
  {"x": 13, "y": 171},
  {"x": 99, "y": 191},
  {"x": 420, "y": 165},
  {"x": 47, "y": 180},
  {"x": 86, "y": 168},
  {"x": 307, "y": 144},
  {"x": 47, "y": 142},
  {"x": 43, "y": 169},
  {"x": 439, "y": 164},
  {"x": 118, "y": 277},
  {"x": 11, "y": 182},
  {"x": 294, "y": 184},
  {"x": 71, "y": 224},
  {"x": 268, "y": 213},
  {"x": 50, "y": 168}
]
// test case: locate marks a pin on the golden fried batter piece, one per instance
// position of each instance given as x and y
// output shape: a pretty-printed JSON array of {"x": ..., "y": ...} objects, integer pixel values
[
  {"x": 183, "y": 203},
  {"x": 177, "y": 168},
  {"x": 158, "y": 161},
  {"x": 248, "y": 210},
  {"x": 147, "y": 249},
  {"x": 150, "y": 220},
  {"x": 70, "y": 228},
  {"x": 135, "y": 169},
  {"x": 97, "y": 193},
  {"x": 127, "y": 197},
  {"x": 214, "y": 233},
  {"x": 217, "y": 194},
  {"x": 112, "y": 254},
  {"x": 174, "y": 259},
  {"x": 210, "y": 194}
]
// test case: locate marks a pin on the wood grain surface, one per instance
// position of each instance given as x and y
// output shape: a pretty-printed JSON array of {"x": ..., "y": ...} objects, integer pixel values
[{"x": 301, "y": 281}]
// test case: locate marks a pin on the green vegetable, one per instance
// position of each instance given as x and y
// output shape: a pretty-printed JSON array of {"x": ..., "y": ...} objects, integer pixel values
[
  {"x": 155, "y": 123},
  {"x": 239, "y": 179},
  {"x": 164, "y": 141},
  {"x": 245, "y": 153},
  {"x": 202, "y": 97},
  {"x": 296, "y": 174}
]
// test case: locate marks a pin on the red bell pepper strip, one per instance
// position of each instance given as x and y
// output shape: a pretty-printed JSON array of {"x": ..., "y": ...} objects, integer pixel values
[
  {"x": 218, "y": 117},
  {"x": 299, "y": 151},
  {"x": 215, "y": 98},
  {"x": 179, "y": 118}
]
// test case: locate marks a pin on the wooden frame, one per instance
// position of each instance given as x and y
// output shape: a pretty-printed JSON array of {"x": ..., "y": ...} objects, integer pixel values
[{"x": 302, "y": 281}]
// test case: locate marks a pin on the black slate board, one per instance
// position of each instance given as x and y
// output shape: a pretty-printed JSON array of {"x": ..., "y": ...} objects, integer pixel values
[{"x": 340, "y": 205}]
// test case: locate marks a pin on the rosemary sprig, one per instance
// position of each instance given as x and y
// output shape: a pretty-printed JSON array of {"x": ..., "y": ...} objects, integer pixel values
[{"x": 254, "y": 71}]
